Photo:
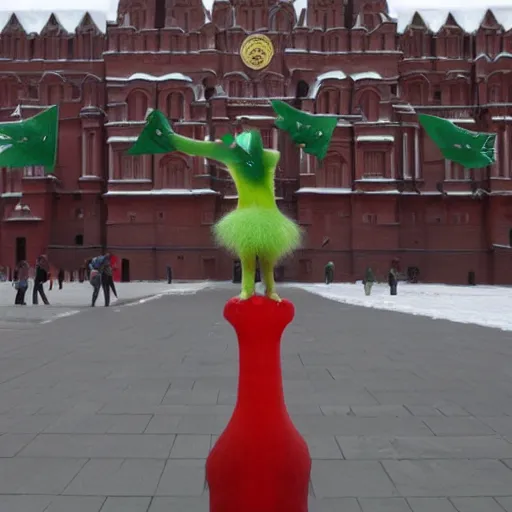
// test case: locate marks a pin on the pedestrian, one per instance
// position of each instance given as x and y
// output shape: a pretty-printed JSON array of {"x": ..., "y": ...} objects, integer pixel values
[
  {"x": 98, "y": 279},
  {"x": 95, "y": 280},
  {"x": 60, "y": 278},
  {"x": 329, "y": 272},
  {"x": 393, "y": 278},
  {"x": 368, "y": 281},
  {"x": 41, "y": 276},
  {"x": 21, "y": 285},
  {"x": 108, "y": 275}
]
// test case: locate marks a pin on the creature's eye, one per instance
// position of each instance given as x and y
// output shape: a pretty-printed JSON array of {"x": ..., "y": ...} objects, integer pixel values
[
  {"x": 458, "y": 146},
  {"x": 44, "y": 138},
  {"x": 468, "y": 146},
  {"x": 159, "y": 132},
  {"x": 319, "y": 134}
]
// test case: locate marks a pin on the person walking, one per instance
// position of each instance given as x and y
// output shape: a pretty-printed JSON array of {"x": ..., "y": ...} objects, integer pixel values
[
  {"x": 21, "y": 285},
  {"x": 95, "y": 280},
  {"x": 98, "y": 279},
  {"x": 60, "y": 278},
  {"x": 368, "y": 281},
  {"x": 42, "y": 268},
  {"x": 329, "y": 272},
  {"x": 108, "y": 275}
]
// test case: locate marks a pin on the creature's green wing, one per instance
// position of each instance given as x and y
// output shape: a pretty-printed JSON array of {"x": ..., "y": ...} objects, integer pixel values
[
  {"x": 470, "y": 149},
  {"x": 31, "y": 142},
  {"x": 314, "y": 132},
  {"x": 156, "y": 137},
  {"x": 159, "y": 137}
]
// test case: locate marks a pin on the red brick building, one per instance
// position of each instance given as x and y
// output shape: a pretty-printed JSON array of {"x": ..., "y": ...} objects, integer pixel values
[{"x": 384, "y": 191}]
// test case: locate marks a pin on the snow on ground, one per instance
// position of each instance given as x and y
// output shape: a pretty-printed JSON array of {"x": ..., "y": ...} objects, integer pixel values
[
  {"x": 489, "y": 306},
  {"x": 79, "y": 294}
]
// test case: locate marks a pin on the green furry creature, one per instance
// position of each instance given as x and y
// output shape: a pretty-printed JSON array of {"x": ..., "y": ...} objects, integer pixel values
[{"x": 256, "y": 229}]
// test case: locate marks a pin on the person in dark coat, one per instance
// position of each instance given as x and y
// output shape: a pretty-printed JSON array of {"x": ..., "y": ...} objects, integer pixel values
[
  {"x": 329, "y": 272},
  {"x": 108, "y": 275},
  {"x": 42, "y": 269},
  {"x": 21, "y": 284},
  {"x": 393, "y": 278},
  {"x": 60, "y": 278}
]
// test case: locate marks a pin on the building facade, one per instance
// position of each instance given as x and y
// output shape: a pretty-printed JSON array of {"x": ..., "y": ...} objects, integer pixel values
[{"x": 383, "y": 191}]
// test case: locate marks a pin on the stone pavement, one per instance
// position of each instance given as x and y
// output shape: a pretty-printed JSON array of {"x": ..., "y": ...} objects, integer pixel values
[
  {"x": 75, "y": 298},
  {"x": 115, "y": 410}
]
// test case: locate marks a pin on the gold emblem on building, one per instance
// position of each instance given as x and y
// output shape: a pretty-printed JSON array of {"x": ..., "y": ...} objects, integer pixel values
[{"x": 257, "y": 51}]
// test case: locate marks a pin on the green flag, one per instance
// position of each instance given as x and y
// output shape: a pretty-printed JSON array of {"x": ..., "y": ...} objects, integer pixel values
[
  {"x": 31, "y": 141},
  {"x": 310, "y": 131},
  {"x": 470, "y": 149}
]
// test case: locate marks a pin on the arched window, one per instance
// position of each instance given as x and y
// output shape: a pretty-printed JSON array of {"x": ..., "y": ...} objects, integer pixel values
[
  {"x": 302, "y": 90},
  {"x": 175, "y": 174},
  {"x": 333, "y": 173},
  {"x": 369, "y": 104},
  {"x": 328, "y": 102},
  {"x": 137, "y": 106},
  {"x": 176, "y": 106}
]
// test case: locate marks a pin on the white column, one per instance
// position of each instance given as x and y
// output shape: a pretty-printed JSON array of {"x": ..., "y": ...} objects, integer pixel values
[
  {"x": 392, "y": 162},
  {"x": 110, "y": 162},
  {"x": 496, "y": 166},
  {"x": 308, "y": 164},
  {"x": 302, "y": 161},
  {"x": 405, "y": 157},
  {"x": 84, "y": 153},
  {"x": 275, "y": 138},
  {"x": 447, "y": 169},
  {"x": 506, "y": 151},
  {"x": 417, "y": 154}
]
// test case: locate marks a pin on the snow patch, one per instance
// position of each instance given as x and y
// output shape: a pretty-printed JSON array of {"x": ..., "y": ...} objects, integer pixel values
[
  {"x": 151, "y": 78},
  {"x": 324, "y": 190},
  {"x": 488, "y": 306},
  {"x": 117, "y": 138},
  {"x": 163, "y": 192},
  {"x": 375, "y": 138}
]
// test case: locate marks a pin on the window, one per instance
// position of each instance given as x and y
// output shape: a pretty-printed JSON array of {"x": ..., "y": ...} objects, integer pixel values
[
  {"x": 370, "y": 218},
  {"x": 79, "y": 240},
  {"x": 437, "y": 95},
  {"x": 374, "y": 164}
]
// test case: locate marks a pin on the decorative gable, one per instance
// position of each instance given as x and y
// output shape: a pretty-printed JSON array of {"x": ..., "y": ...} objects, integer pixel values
[
  {"x": 489, "y": 22},
  {"x": 87, "y": 25},
  {"x": 52, "y": 26},
  {"x": 13, "y": 26}
]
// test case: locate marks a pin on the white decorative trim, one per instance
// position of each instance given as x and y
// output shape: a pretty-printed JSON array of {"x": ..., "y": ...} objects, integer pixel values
[
  {"x": 405, "y": 157},
  {"x": 417, "y": 154},
  {"x": 393, "y": 164},
  {"x": 110, "y": 163},
  {"x": 506, "y": 148}
]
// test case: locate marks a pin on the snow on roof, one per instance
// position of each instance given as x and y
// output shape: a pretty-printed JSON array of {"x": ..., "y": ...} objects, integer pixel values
[
  {"x": 330, "y": 75},
  {"x": 150, "y": 78},
  {"x": 163, "y": 192},
  {"x": 339, "y": 75},
  {"x": 366, "y": 75},
  {"x": 468, "y": 18},
  {"x": 375, "y": 138},
  {"x": 34, "y": 21}
]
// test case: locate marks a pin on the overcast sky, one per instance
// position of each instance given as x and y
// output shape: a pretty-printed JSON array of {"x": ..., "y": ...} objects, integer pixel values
[{"x": 108, "y": 5}]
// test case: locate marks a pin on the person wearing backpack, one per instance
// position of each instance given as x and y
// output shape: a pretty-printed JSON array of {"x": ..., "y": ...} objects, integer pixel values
[{"x": 95, "y": 277}]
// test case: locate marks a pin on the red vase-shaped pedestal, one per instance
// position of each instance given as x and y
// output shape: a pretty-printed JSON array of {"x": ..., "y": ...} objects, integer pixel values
[{"x": 260, "y": 463}]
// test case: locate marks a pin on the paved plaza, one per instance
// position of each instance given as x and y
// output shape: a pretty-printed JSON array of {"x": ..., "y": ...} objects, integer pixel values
[{"x": 115, "y": 409}]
